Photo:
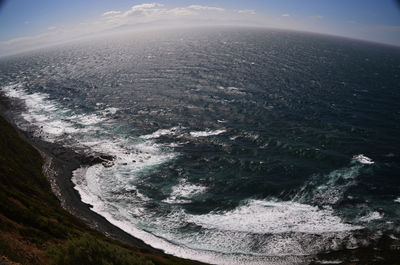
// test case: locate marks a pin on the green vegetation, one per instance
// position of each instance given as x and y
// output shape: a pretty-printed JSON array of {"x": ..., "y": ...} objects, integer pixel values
[
  {"x": 34, "y": 229},
  {"x": 89, "y": 250}
]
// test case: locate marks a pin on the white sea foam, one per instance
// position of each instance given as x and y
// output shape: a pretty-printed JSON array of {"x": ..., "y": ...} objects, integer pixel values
[
  {"x": 329, "y": 262},
  {"x": 279, "y": 228},
  {"x": 211, "y": 246},
  {"x": 183, "y": 192},
  {"x": 284, "y": 228},
  {"x": 42, "y": 112},
  {"x": 397, "y": 200},
  {"x": 233, "y": 138},
  {"x": 371, "y": 216},
  {"x": 87, "y": 119},
  {"x": 269, "y": 217},
  {"x": 55, "y": 121},
  {"x": 330, "y": 189},
  {"x": 161, "y": 132},
  {"x": 52, "y": 119},
  {"x": 225, "y": 235},
  {"x": 207, "y": 133},
  {"x": 119, "y": 219},
  {"x": 232, "y": 90},
  {"x": 110, "y": 110},
  {"x": 363, "y": 159},
  {"x": 92, "y": 182}
]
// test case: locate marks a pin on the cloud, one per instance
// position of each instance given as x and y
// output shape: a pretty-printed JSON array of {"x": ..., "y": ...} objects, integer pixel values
[
  {"x": 199, "y": 7},
  {"x": 153, "y": 12},
  {"x": 136, "y": 17},
  {"x": 142, "y": 9},
  {"x": 285, "y": 15},
  {"x": 110, "y": 13},
  {"x": 180, "y": 12},
  {"x": 247, "y": 11}
]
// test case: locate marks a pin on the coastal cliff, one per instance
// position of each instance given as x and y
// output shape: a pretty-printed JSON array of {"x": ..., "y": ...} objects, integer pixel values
[{"x": 35, "y": 229}]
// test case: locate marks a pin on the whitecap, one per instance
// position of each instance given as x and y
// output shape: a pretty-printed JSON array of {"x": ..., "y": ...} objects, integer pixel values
[
  {"x": 232, "y": 90},
  {"x": 121, "y": 217},
  {"x": 161, "y": 132},
  {"x": 86, "y": 119},
  {"x": 233, "y": 138},
  {"x": 42, "y": 112},
  {"x": 206, "y": 133},
  {"x": 371, "y": 216},
  {"x": 363, "y": 159},
  {"x": 110, "y": 110},
  {"x": 330, "y": 188},
  {"x": 97, "y": 184},
  {"x": 329, "y": 262},
  {"x": 54, "y": 121},
  {"x": 397, "y": 200}
]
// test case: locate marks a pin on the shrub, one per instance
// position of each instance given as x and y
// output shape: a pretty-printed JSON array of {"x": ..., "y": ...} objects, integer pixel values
[{"x": 88, "y": 250}]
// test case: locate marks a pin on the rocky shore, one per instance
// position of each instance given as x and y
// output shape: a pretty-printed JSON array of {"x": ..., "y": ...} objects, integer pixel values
[{"x": 57, "y": 164}]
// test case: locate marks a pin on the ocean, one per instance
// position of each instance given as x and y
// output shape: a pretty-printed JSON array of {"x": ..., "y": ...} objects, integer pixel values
[{"x": 224, "y": 145}]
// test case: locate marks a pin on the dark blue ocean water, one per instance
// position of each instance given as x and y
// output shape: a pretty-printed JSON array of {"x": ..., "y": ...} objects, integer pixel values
[{"x": 231, "y": 145}]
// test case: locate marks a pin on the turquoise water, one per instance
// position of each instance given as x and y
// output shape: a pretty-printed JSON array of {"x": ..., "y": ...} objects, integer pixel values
[{"x": 230, "y": 145}]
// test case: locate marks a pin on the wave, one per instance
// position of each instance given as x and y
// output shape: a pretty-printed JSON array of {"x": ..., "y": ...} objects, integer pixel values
[
  {"x": 232, "y": 90},
  {"x": 284, "y": 231},
  {"x": 371, "y": 216},
  {"x": 363, "y": 159},
  {"x": 111, "y": 110},
  {"x": 274, "y": 217},
  {"x": 183, "y": 192},
  {"x": 206, "y": 133},
  {"x": 128, "y": 213},
  {"x": 251, "y": 233},
  {"x": 92, "y": 132},
  {"x": 329, "y": 189},
  {"x": 162, "y": 132},
  {"x": 259, "y": 228},
  {"x": 53, "y": 120},
  {"x": 280, "y": 228}
]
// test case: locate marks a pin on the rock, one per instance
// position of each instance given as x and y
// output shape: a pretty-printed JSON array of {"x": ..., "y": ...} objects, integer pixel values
[
  {"x": 92, "y": 160},
  {"x": 108, "y": 157},
  {"x": 107, "y": 163}
]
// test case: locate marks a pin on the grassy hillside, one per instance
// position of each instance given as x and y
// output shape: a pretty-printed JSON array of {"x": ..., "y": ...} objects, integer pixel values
[{"x": 34, "y": 229}]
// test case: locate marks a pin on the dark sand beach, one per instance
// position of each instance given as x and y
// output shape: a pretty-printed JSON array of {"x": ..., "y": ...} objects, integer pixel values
[
  {"x": 60, "y": 162},
  {"x": 270, "y": 157}
]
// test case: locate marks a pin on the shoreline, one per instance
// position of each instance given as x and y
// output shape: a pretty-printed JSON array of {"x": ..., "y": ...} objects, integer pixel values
[
  {"x": 58, "y": 167},
  {"x": 59, "y": 163}
]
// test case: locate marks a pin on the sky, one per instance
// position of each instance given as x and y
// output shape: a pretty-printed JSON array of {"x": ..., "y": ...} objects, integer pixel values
[{"x": 28, "y": 24}]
